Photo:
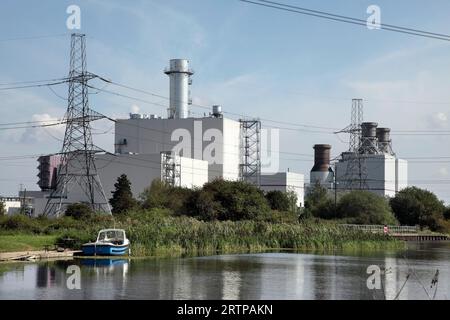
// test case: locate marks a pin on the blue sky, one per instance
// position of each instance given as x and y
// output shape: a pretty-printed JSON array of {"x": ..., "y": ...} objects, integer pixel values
[{"x": 249, "y": 59}]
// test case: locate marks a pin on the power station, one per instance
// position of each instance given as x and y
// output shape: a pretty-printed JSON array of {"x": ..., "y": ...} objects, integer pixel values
[
  {"x": 180, "y": 149},
  {"x": 188, "y": 151},
  {"x": 369, "y": 164}
]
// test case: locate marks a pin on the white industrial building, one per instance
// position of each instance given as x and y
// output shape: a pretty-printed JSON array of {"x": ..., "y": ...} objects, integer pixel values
[
  {"x": 285, "y": 182},
  {"x": 183, "y": 150},
  {"x": 373, "y": 166},
  {"x": 215, "y": 139},
  {"x": 12, "y": 205},
  {"x": 141, "y": 170},
  {"x": 384, "y": 174}
]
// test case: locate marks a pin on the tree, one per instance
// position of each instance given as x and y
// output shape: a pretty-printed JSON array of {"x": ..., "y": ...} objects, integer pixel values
[
  {"x": 278, "y": 200},
  {"x": 415, "y": 206},
  {"x": 201, "y": 205},
  {"x": 79, "y": 211},
  {"x": 122, "y": 200},
  {"x": 161, "y": 195},
  {"x": 318, "y": 203},
  {"x": 156, "y": 195},
  {"x": 447, "y": 213},
  {"x": 2, "y": 209},
  {"x": 237, "y": 200},
  {"x": 364, "y": 207}
]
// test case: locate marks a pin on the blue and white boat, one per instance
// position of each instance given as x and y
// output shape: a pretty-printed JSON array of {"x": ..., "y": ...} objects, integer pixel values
[{"x": 110, "y": 242}]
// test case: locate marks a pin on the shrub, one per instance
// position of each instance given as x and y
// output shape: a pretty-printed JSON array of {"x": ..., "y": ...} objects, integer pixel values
[
  {"x": 79, "y": 211},
  {"x": 237, "y": 200},
  {"x": 415, "y": 206},
  {"x": 202, "y": 205},
  {"x": 319, "y": 204},
  {"x": 364, "y": 207},
  {"x": 447, "y": 213},
  {"x": 162, "y": 195},
  {"x": 2, "y": 209},
  {"x": 22, "y": 223},
  {"x": 278, "y": 200}
]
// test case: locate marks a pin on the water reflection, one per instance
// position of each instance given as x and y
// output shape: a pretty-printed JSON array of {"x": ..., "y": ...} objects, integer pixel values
[{"x": 251, "y": 276}]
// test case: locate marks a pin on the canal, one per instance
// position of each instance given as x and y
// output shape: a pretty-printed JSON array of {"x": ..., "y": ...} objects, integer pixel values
[{"x": 405, "y": 274}]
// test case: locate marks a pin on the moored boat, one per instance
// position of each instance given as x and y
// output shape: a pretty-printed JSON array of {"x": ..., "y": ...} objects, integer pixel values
[{"x": 110, "y": 242}]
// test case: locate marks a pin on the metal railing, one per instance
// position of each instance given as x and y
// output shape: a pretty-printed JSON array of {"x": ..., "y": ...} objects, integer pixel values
[{"x": 380, "y": 228}]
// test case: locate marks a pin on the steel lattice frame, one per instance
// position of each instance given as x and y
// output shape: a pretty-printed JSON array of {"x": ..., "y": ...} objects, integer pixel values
[
  {"x": 251, "y": 151},
  {"x": 356, "y": 171},
  {"x": 170, "y": 169},
  {"x": 78, "y": 151}
]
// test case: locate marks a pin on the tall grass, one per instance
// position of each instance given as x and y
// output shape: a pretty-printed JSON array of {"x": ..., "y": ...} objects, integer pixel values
[{"x": 156, "y": 232}]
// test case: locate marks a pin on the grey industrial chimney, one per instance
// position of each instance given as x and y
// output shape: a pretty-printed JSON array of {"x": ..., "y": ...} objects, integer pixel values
[
  {"x": 320, "y": 173},
  {"x": 384, "y": 140},
  {"x": 180, "y": 74},
  {"x": 369, "y": 138}
]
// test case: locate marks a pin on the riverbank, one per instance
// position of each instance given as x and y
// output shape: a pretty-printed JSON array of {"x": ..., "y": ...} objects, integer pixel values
[{"x": 155, "y": 233}]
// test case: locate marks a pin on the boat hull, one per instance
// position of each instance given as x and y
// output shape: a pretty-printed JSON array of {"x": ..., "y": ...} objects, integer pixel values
[{"x": 105, "y": 250}]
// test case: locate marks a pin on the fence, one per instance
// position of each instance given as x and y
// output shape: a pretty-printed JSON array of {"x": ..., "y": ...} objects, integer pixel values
[{"x": 380, "y": 228}]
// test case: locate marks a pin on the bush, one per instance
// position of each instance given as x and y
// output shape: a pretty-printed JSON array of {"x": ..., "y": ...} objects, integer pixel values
[
  {"x": 79, "y": 211},
  {"x": 237, "y": 200},
  {"x": 2, "y": 209},
  {"x": 364, "y": 207},
  {"x": 414, "y": 206},
  {"x": 447, "y": 213},
  {"x": 161, "y": 195},
  {"x": 202, "y": 206},
  {"x": 22, "y": 223},
  {"x": 278, "y": 200},
  {"x": 319, "y": 204}
]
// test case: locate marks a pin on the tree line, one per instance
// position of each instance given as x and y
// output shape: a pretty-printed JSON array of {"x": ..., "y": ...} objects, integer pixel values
[{"x": 238, "y": 200}]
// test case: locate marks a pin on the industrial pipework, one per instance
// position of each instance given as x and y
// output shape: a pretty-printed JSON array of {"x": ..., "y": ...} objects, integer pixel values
[{"x": 180, "y": 80}]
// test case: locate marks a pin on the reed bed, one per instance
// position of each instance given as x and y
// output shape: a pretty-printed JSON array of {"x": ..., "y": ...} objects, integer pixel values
[{"x": 157, "y": 233}]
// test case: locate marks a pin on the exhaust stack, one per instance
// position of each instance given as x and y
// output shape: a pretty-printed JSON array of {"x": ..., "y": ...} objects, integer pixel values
[
  {"x": 321, "y": 172},
  {"x": 180, "y": 80}
]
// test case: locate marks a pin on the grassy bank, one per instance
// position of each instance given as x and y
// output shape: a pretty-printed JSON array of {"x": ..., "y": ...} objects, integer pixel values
[
  {"x": 25, "y": 242},
  {"x": 155, "y": 232}
]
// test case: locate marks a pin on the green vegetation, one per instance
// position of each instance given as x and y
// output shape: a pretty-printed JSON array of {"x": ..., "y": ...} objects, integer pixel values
[
  {"x": 79, "y": 211},
  {"x": 278, "y": 200},
  {"x": 231, "y": 216},
  {"x": 447, "y": 213},
  {"x": 122, "y": 200},
  {"x": 364, "y": 207},
  {"x": 319, "y": 204},
  {"x": 414, "y": 206},
  {"x": 25, "y": 242},
  {"x": 355, "y": 207},
  {"x": 2, "y": 209},
  {"x": 158, "y": 232}
]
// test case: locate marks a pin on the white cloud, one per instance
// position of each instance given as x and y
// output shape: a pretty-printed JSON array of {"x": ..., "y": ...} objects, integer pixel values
[{"x": 41, "y": 134}]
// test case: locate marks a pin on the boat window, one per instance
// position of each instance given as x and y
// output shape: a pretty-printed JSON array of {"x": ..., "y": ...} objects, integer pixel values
[{"x": 111, "y": 235}]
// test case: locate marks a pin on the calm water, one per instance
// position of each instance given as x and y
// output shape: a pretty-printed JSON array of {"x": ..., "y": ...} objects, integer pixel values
[{"x": 248, "y": 276}]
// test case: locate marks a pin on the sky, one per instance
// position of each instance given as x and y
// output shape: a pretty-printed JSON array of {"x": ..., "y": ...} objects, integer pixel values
[{"x": 248, "y": 59}]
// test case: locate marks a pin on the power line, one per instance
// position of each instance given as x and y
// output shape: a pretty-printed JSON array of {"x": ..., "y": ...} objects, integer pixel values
[
  {"x": 33, "y": 85},
  {"x": 345, "y": 19},
  {"x": 28, "y": 122},
  {"x": 34, "y": 37},
  {"x": 31, "y": 81},
  {"x": 197, "y": 105},
  {"x": 240, "y": 115}
]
